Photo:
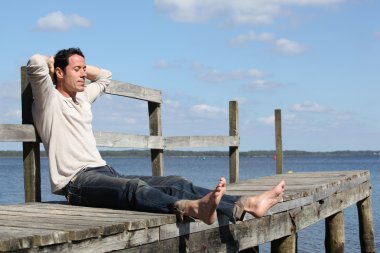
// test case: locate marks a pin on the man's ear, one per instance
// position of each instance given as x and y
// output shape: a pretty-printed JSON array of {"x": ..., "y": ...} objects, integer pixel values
[{"x": 59, "y": 73}]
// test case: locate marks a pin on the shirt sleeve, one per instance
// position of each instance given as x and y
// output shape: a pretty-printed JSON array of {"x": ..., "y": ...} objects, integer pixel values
[
  {"x": 40, "y": 80},
  {"x": 97, "y": 88}
]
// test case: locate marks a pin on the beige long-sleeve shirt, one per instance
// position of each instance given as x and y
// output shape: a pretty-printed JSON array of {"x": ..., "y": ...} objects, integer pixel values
[{"x": 65, "y": 127}]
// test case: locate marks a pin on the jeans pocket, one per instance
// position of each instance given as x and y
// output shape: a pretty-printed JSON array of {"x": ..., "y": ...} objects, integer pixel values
[{"x": 73, "y": 195}]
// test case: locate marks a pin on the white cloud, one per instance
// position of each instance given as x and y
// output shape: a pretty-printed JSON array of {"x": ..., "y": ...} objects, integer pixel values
[
  {"x": 235, "y": 12},
  {"x": 172, "y": 103},
  {"x": 267, "y": 120},
  {"x": 57, "y": 21},
  {"x": 161, "y": 64},
  {"x": 289, "y": 47},
  {"x": 215, "y": 76},
  {"x": 309, "y": 107},
  {"x": 207, "y": 110},
  {"x": 282, "y": 45},
  {"x": 261, "y": 85},
  {"x": 252, "y": 36}
]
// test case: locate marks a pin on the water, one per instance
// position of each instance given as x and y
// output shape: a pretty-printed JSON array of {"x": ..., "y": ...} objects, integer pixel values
[{"x": 207, "y": 171}]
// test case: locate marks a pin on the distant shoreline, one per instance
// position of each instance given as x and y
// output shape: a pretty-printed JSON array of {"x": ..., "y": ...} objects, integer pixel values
[{"x": 177, "y": 153}]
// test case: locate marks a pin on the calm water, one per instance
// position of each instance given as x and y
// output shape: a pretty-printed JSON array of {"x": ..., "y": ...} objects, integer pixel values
[{"x": 206, "y": 172}]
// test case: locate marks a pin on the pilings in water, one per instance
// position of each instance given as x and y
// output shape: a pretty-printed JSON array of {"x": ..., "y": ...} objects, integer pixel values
[{"x": 334, "y": 224}]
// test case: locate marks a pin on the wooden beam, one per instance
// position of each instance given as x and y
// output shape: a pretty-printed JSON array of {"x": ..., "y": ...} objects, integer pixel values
[
  {"x": 122, "y": 140},
  {"x": 155, "y": 128},
  {"x": 134, "y": 91},
  {"x": 17, "y": 133},
  {"x": 278, "y": 132},
  {"x": 31, "y": 150},
  {"x": 234, "y": 149},
  {"x": 200, "y": 141}
]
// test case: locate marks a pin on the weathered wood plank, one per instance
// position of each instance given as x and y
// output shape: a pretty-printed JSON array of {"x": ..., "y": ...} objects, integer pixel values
[
  {"x": 134, "y": 91},
  {"x": 17, "y": 133},
  {"x": 121, "y": 140},
  {"x": 200, "y": 141},
  {"x": 27, "y": 133}
]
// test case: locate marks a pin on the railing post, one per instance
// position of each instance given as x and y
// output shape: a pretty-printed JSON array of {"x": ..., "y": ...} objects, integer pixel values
[
  {"x": 31, "y": 150},
  {"x": 234, "y": 150},
  {"x": 155, "y": 128},
  {"x": 366, "y": 232},
  {"x": 334, "y": 235},
  {"x": 288, "y": 243},
  {"x": 278, "y": 133}
]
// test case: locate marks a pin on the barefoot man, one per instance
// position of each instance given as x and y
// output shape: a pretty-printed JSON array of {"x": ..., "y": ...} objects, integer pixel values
[{"x": 63, "y": 118}]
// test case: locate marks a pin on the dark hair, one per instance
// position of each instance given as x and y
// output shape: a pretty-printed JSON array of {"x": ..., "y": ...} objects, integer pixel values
[{"x": 61, "y": 59}]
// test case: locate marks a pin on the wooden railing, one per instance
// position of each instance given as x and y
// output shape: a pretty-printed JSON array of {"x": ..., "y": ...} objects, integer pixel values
[{"x": 27, "y": 134}]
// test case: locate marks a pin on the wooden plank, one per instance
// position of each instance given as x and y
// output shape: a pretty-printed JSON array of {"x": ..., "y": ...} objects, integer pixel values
[
  {"x": 132, "y": 220},
  {"x": 27, "y": 133},
  {"x": 17, "y": 133},
  {"x": 200, "y": 141},
  {"x": 134, "y": 91},
  {"x": 14, "y": 237},
  {"x": 121, "y": 140},
  {"x": 155, "y": 129}
]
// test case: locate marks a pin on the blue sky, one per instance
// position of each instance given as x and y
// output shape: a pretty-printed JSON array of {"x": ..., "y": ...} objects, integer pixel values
[{"x": 316, "y": 60}]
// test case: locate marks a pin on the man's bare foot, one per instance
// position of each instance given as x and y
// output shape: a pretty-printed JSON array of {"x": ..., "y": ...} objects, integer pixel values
[
  {"x": 204, "y": 208},
  {"x": 260, "y": 204}
]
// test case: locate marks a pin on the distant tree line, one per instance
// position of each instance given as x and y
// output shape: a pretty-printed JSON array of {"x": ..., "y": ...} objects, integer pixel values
[{"x": 179, "y": 153}]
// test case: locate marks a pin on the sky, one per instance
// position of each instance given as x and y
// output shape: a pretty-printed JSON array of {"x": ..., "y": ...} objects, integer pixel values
[{"x": 316, "y": 60}]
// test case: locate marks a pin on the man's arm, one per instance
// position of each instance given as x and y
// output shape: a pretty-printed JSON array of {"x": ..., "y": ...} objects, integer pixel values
[
  {"x": 100, "y": 79},
  {"x": 40, "y": 70},
  {"x": 92, "y": 73}
]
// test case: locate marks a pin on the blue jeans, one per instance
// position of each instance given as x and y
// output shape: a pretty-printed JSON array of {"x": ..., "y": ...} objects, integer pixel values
[{"x": 104, "y": 187}]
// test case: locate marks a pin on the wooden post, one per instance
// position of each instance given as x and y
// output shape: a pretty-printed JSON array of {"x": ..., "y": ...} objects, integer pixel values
[
  {"x": 287, "y": 244},
  {"x": 334, "y": 235},
  {"x": 155, "y": 128},
  {"x": 234, "y": 151},
  {"x": 31, "y": 150},
  {"x": 278, "y": 133},
  {"x": 366, "y": 232}
]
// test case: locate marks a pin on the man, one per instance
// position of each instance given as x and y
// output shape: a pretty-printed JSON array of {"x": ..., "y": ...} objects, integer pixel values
[{"x": 63, "y": 118}]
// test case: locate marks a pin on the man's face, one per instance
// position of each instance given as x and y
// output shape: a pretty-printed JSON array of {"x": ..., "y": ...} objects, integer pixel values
[{"x": 74, "y": 75}]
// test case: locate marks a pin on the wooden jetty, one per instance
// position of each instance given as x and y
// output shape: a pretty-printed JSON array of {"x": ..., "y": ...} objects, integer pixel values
[
  {"x": 310, "y": 197},
  {"x": 58, "y": 227}
]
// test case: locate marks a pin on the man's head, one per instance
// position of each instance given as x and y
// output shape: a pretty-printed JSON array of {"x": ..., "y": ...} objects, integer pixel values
[
  {"x": 61, "y": 59},
  {"x": 69, "y": 70}
]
